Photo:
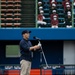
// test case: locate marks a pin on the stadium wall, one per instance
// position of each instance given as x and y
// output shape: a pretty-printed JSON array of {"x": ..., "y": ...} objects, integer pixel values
[
  {"x": 43, "y": 33},
  {"x": 52, "y": 41}
]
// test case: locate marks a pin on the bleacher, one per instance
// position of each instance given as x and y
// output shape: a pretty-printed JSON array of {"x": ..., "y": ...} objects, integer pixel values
[
  {"x": 60, "y": 10},
  {"x": 10, "y": 13},
  {"x": 14, "y": 15}
]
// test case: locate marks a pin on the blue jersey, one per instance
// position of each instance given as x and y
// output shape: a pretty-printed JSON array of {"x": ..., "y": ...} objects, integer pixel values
[{"x": 26, "y": 54}]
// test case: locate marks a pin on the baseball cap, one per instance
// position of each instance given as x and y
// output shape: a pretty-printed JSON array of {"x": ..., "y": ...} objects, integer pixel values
[
  {"x": 67, "y": 5},
  {"x": 54, "y": 16},
  {"x": 41, "y": 11},
  {"x": 40, "y": 7},
  {"x": 53, "y": 0},
  {"x": 53, "y": 5},
  {"x": 39, "y": 2},
  {"x": 26, "y": 31},
  {"x": 67, "y": 2},
  {"x": 74, "y": 4},
  {"x": 54, "y": 11},
  {"x": 69, "y": 14}
]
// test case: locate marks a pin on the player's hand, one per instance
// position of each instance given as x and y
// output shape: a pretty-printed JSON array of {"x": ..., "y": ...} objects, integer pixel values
[
  {"x": 39, "y": 44},
  {"x": 36, "y": 47}
]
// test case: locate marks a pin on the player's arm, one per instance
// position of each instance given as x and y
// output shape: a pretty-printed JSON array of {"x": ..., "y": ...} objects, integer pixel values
[{"x": 34, "y": 47}]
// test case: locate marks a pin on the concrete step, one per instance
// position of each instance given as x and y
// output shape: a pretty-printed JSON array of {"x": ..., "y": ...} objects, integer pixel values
[
  {"x": 28, "y": 6},
  {"x": 28, "y": 2},
  {"x": 28, "y": 13},
  {"x": 28, "y": 20}
]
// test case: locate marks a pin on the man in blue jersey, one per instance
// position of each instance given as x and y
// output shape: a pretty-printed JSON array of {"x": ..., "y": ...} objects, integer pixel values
[{"x": 26, "y": 49}]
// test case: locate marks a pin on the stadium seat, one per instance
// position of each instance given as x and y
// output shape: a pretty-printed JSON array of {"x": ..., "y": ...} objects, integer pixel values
[
  {"x": 61, "y": 23},
  {"x": 10, "y": 5},
  {"x": 59, "y": 4},
  {"x": 2, "y": 24},
  {"x": 2, "y": 14},
  {"x": 3, "y": 10},
  {"x": 46, "y": 9},
  {"x": 10, "y": 1},
  {"x": 59, "y": 0},
  {"x": 60, "y": 9},
  {"x": 17, "y": 19},
  {"x": 3, "y": 5},
  {"x": 3, "y": 19},
  {"x": 17, "y": 14},
  {"x": 17, "y": 1},
  {"x": 3, "y": 1},
  {"x": 60, "y": 14},
  {"x": 17, "y": 5},
  {"x": 17, "y": 24},
  {"x": 9, "y": 24},
  {"x": 17, "y": 10},
  {"x": 46, "y": 6},
  {"x": 11, "y": 19},
  {"x": 9, "y": 14},
  {"x": 47, "y": 19},
  {"x": 61, "y": 18},
  {"x": 45, "y": 0},
  {"x": 10, "y": 10}
]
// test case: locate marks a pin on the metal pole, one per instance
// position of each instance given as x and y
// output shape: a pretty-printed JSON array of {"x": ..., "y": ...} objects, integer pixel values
[
  {"x": 42, "y": 55},
  {"x": 72, "y": 13},
  {"x": 0, "y": 13},
  {"x": 42, "y": 52},
  {"x": 36, "y": 12}
]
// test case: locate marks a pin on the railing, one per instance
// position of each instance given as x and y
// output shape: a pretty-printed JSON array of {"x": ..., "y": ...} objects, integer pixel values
[
  {"x": 10, "y": 69},
  {"x": 15, "y": 70},
  {"x": 58, "y": 70}
]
